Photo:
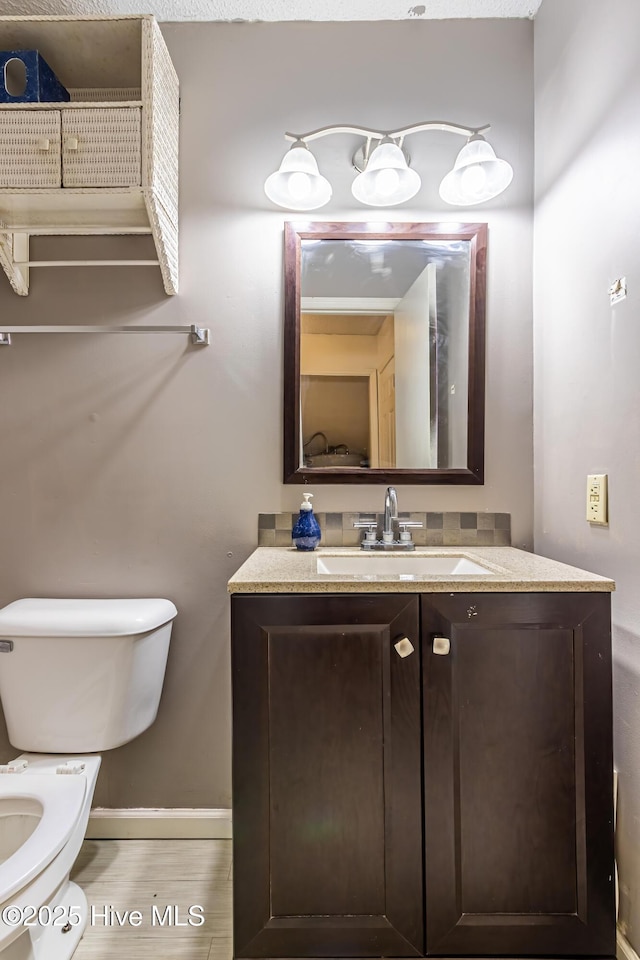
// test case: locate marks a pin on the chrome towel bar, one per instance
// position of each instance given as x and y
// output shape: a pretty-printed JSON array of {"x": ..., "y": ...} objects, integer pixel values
[{"x": 199, "y": 335}]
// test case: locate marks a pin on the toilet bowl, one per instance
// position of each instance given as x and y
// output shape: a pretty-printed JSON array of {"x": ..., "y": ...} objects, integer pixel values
[
  {"x": 76, "y": 676},
  {"x": 43, "y": 819}
]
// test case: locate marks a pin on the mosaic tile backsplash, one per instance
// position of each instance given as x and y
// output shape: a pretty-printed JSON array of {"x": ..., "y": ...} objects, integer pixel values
[{"x": 438, "y": 529}]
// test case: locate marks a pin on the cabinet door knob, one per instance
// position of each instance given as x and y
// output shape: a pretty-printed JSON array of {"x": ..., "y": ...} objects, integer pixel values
[
  {"x": 44, "y": 143},
  {"x": 71, "y": 143},
  {"x": 404, "y": 647},
  {"x": 441, "y": 646}
]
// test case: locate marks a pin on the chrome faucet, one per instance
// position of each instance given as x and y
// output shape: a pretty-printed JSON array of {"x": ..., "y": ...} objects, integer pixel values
[
  {"x": 390, "y": 514},
  {"x": 388, "y": 542}
]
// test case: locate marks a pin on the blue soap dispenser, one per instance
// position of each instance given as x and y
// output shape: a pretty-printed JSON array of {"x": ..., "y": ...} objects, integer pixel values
[{"x": 306, "y": 530}]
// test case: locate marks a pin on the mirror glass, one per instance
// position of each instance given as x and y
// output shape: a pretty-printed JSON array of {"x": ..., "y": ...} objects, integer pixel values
[{"x": 384, "y": 352}]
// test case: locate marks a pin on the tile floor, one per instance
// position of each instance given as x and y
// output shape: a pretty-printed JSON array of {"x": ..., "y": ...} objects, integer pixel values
[{"x": 121, "y": 875}]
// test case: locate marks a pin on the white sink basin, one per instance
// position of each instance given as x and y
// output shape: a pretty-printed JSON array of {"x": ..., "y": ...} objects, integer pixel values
[{"x": 404, "y": 566}]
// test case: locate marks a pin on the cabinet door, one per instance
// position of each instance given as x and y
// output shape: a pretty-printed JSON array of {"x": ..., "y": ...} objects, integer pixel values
[
  {"x": 29, "y": 148},
  {"x": 101, "y": 147},
  {"x": 518, "y": 775},
  {"x": 327, "y": 808}
]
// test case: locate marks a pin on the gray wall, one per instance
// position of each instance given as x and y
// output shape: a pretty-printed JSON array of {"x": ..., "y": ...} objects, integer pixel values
[
  {"x": 587, "y": 354},
  {"x": 135, "y": 466}
]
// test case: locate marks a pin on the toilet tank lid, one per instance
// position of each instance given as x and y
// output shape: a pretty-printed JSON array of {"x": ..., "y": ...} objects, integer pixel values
[{"x": 41, "y": 617}]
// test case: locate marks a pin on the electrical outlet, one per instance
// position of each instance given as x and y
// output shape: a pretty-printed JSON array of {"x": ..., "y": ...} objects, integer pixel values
[{"x": 597, "y": 499}]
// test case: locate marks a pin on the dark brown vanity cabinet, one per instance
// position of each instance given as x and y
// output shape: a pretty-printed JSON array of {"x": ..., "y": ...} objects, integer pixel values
[
  {"x": 327, "y": 770},
  {"x": 518, "y": 775},
  {"x": 455, "y": 801}
]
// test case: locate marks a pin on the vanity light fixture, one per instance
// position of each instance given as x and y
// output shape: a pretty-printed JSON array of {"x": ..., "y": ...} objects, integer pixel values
[
  {"x": 477, "y": 174},
  {"x": 385, "y": 178},
  {"x": 298, "y": 184}
]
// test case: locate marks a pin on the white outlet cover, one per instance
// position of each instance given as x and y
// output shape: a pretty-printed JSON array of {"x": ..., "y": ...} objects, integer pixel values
[{"x": 597, "y": 499}]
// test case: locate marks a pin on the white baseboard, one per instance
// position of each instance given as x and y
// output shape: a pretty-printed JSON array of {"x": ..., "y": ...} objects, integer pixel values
[
  {"x": 159, "y": 824},
  {"x": 624, "y": 950}
]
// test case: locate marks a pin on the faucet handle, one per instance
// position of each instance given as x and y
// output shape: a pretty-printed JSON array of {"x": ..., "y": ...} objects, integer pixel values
[
  {"x": 406, "y": 527},
  {"x": 370, "y": 526}
]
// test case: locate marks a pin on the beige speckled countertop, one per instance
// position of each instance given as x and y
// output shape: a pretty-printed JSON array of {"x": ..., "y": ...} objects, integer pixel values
[{"x": 287, "y": 570}]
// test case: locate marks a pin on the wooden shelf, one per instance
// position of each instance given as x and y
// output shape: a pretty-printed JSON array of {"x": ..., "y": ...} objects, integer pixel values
[{"x": 74, "y": 212}]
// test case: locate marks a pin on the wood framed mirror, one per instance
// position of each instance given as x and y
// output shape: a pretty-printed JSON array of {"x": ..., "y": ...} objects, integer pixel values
[{"x": 384, "y": 352}]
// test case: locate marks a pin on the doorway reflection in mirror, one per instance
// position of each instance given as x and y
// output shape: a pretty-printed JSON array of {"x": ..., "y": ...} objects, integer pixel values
[{"x": 384, "y": 347}]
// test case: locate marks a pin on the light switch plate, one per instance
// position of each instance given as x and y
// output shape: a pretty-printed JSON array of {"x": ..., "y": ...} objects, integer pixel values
[
  {"x": 618, "y": 290},
  {"x": 597, "y": 499}
]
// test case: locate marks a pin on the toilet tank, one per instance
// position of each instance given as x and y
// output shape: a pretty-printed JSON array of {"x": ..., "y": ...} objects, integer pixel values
[{"x": 82, "y": 676}]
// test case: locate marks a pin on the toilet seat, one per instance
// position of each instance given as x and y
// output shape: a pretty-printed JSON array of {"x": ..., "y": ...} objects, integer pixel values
[{"x": 61, "y": 798}]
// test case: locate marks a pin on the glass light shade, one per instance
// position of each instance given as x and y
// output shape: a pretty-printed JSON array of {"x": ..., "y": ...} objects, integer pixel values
[
  {"x": 387, "y": 180},
  {"x": 477, "y": 175},
  {"x": 298, "y": 184}
]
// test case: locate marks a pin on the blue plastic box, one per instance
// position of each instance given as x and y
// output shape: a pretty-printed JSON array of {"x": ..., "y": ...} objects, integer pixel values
[{"x": 42, "y": 85}]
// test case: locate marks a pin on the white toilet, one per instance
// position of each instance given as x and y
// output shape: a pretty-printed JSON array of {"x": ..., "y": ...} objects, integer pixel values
[{"x": 76, "y": 677}]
